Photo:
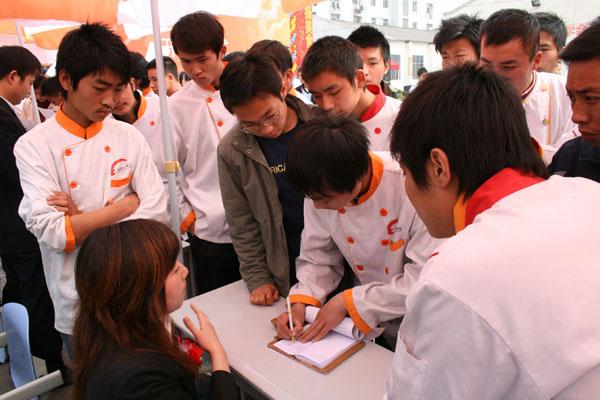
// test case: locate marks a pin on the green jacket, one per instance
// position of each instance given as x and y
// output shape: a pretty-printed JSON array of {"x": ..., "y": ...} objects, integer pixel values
[{"x": 252, "y": 207}]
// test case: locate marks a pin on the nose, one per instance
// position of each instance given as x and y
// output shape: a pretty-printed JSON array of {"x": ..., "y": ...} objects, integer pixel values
[
  {"x": 580, "y": 112},
  {"x": 327, "y": 103}
]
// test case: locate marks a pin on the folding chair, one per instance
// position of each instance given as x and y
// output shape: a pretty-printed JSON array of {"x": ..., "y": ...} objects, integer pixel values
[{"x": 16, "y": 337}]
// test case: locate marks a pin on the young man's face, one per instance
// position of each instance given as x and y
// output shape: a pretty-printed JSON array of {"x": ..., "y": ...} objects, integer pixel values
[
  {"x": 334, "y": 93},
  {"x": 19, "y": 87},
  {"x": 96, "y": 94},
  {"x": 263, "y": 116},
  {"x": 126, "y": 100},
  {"x": 331, "y": 200},
  {"x": 373, "y": 64},
  {"x": 583, "y": 88},
  {"x": 549, "y": 62},
  {"x": 510, "y": 61},
  {"x": 204, "y": 68},
  {"x": 153, "y": 78},
  {"x": 457, "y": 53}
]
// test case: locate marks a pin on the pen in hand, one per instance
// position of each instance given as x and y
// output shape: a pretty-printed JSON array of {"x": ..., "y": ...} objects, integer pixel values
[{"x": 289, "y": 310}]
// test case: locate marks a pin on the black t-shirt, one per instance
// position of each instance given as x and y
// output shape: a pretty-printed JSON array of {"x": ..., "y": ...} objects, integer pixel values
[
  {"x": 275, "y": 151},
  {"x": 577, "y": 157}
]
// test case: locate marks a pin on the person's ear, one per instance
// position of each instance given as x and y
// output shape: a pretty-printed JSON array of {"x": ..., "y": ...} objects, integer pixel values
[
  {"x": 132, "y": 83},
  {"x": 288, "y": 78},
  {"x": 439, "y": 171},
  {"x": 387, "y": 67},
  {"x": 13, "y": 77},
  {"x": 222, "y": 52},
  {"x": 537, "y": 59},
  {"x": 65, "y": 80},
  {"x": 360, "y": 78}
]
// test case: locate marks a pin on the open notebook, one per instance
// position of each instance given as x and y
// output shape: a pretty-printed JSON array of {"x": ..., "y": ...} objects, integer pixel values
[{"x": 324, "y": 355}]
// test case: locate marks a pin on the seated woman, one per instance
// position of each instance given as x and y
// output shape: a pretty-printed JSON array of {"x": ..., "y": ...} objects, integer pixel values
[{"x": 129, "y": 280}]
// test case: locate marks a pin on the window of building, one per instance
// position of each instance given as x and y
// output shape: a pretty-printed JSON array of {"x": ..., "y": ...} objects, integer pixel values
[
  {"x": 417, "y": 62},
  {"x": 414, "y": 25},
  {"x": 386, "y": 4},
  {"x": 429, "y": 27},
  {"x": 405, "y": 22},
  {"x": 374, "y": 21},
  {"x": 394, "y": 72},
  {"x": 335, "y": 17},
  {"x": 386, "y": 21},
  {"x": 415, "y": 6},
  {"x": 335, "y": 4},
  {"x": 429, "y": 10},
  {"x": 373, "y": 3},
  {"x": 357, "y": 19},
  {"x": 405, "y": 7}
]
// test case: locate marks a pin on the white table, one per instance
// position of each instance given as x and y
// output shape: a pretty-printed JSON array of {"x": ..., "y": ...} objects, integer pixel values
[{"x": 245, "y": 330}]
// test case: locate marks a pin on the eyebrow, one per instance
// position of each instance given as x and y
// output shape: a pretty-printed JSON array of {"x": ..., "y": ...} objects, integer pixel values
[
  {"x": 372, "y": 59},
  {"x": 328, "y": 88},
  {"x": 269, "y": 111},
  {"x": 584, "y": 89}
]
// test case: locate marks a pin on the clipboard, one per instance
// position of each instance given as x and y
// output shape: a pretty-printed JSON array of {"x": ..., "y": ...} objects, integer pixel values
[{"x": 329, "y": 367}]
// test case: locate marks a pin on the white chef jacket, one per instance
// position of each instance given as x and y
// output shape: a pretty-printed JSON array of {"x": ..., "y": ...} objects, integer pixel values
[
  {"x": 383, "y": 240},
  {"x": 379, "y": 119},
  {"x": 548, "y": 111},
  {"x": 148, "y": 122},
  {"x": 95, "y": 166},
  {"x": 508, "y": 308},
  {"x": 200, "y": 120}
]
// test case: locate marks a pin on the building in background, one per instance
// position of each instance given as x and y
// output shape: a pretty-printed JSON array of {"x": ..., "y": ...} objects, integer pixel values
[{"x": 409, "y": 26}]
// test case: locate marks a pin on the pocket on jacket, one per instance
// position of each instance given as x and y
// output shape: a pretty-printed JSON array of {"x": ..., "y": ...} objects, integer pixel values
[{"x": 407, "y": 375}]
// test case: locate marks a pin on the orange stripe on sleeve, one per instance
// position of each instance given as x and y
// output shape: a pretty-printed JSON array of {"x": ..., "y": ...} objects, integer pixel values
[
  {"x": 70, "y": 243},
  {"x": 304, "y": 299},
  {"x": 353, "y": 312},
  {"x": 185, "y": 224}
]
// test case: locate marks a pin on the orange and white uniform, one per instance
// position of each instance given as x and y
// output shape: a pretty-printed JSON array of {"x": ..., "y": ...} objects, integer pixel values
[
  {"x": 379, "y": 119},
  {"x": 200, "y": 120},
  {"x": 95, "y": 166},
  {"x": 382, "y": 239},
  {"x": 548, "y": 111},
  {"x": 508, "y": 308}
]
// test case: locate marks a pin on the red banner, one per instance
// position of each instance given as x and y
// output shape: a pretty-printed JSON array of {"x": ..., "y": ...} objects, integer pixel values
[{"x": 301, "y": 36}]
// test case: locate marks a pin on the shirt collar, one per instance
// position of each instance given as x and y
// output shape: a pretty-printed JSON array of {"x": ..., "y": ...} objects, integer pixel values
[
  {"x": 74, "y": 128},
  {"x": 504, "y": 183},
  {"x": 377, "y": 171},
  {"x": 531, "y": 86},
  {"x": 376, "y": 105}
]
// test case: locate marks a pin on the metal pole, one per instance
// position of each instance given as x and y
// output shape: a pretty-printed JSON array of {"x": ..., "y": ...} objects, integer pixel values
[{"x": 36, "y": 112}]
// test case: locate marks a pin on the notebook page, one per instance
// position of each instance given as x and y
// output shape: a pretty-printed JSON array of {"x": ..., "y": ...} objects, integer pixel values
[
  {"x": 319, "y": 353},
  {"x": 346, "y": 327}
]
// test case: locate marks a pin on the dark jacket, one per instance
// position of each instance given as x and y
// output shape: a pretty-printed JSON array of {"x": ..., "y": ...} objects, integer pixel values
[
  {"x": 577, "y": 157},
  {"x": 151, "y": 376},
  {"x": 14, "y": 237},
  {"x": 252, "y": 206}
]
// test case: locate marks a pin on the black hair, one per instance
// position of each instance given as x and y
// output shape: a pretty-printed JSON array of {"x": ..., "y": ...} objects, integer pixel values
[
  {"x": 139, "y": 70},
  {"x": 328, "y": 153},
  {"x": 234, "y": 55},
  {"x": 421, "y": 71},
  {"x": 197, "y": 32},
  {"x": 90, "y": 49},
  {"x": 506, "y": 25},
  {"x": 17, "y": 58},
  {"x": 37, "y": 83},
  {"x": 331, "y": 54},
  {"x": 244, "y": 79},
  {"x": 584, "y": 47},
  {"x": 475, "y": 117},
  {"x": 168, "y": 64},
  {"x": 554, "y": 26},
  {"x": 367, "y": 36},
  {"x": 52, "y": 87},
  {"x": 460, "y": 27},
  {"x": 276, "y": 51},
  {"x": 183, "y": 77}
]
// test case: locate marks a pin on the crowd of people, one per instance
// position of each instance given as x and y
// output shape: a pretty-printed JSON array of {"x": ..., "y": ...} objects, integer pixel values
[{"x": 462, "y": 219}]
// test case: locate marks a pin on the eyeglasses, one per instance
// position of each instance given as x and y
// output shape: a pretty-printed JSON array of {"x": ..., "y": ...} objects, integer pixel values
[{"x": 254, "y": 126}]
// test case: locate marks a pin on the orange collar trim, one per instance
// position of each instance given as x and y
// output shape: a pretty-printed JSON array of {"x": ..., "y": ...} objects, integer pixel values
[
  {"x": 377, "y": 170},
  {"x": 504, "y": 183},
  {"x": 142, "y": 109},
  {"x": 528, "y": 91},
  {"x": 376, "y": 105},
  {"x": 147, "y": 91},
  {"x": 74, "y": 128}
]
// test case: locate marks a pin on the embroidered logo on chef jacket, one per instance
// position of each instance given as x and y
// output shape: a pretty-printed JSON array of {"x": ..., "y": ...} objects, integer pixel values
[{"x": 120, "y": 173}]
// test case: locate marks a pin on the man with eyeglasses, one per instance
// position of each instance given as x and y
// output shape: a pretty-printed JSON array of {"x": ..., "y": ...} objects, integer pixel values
[{"x": 264, "y": 213}]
